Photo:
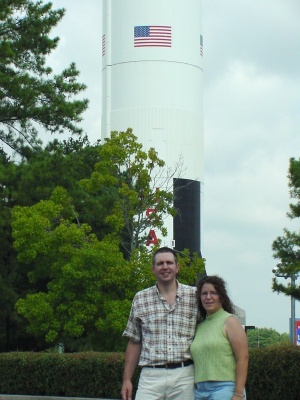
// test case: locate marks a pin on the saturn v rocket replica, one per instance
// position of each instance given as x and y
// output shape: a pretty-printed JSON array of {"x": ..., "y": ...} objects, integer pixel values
[{"x": 152, "y": 52}]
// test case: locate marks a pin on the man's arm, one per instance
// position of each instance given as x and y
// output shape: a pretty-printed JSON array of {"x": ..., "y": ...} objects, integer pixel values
[{"x": 132, "y": 356}]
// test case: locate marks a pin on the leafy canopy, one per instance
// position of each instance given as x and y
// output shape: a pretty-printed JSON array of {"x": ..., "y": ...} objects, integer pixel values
[
  {"x": 71, "y": 259},
  {"x": 31, "y": 96},
  {"x": 135, "y": 181},
  {"x": 25, "y": 183},
  {"x": 264, "y": 337},
  {"x": 84, "y": 284},
  {"x": 90, "y": 285}
]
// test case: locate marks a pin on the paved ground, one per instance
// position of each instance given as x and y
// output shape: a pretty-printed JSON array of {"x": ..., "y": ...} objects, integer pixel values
[{"x": 19, "y": 397}]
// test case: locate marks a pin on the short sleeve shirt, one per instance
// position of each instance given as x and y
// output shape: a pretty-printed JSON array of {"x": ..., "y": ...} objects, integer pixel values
[{"x": 166, "y": 332}]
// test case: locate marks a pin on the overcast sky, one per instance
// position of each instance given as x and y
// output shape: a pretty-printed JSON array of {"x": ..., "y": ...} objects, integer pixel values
[{"x": 251, "y": 129}]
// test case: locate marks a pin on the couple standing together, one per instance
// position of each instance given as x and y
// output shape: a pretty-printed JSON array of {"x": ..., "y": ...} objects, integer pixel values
[{"x": 180, "y": 358}]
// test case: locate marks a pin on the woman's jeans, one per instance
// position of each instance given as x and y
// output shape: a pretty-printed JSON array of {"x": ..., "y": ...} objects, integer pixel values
[{"x": 215, "y": 390}]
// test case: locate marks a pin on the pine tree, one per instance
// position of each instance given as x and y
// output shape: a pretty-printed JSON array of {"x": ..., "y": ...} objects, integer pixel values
[
  {"x": 287, "y": 247},
  {"x": 31, "y": 96}
]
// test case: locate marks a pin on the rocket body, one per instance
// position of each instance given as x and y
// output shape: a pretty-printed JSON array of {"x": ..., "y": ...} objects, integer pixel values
[{"x": 152, "y": 52}]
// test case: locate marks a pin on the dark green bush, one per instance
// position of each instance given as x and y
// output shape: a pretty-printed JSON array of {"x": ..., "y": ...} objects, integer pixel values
[
  {"x": 89, "y": 374},
  {"x": 274, "y": 374}
]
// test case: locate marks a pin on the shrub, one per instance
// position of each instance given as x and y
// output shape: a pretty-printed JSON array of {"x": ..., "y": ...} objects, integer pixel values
[
  {"x": 89, "y": 374},
  {"x": 274, "y": 373}
]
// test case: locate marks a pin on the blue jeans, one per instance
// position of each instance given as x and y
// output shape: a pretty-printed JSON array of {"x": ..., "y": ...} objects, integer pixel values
[{"x": 214, "y": 390}]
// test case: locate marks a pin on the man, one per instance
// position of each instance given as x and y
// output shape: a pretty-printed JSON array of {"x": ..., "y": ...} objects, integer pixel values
[{"x": 160, "y": 330}]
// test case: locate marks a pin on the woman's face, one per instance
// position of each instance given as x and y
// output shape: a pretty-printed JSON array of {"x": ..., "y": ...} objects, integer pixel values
[{"x": 210, "y": 299}]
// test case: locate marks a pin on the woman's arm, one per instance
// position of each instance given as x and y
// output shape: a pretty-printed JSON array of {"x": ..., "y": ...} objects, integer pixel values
[{"x": 238, "y": 341}]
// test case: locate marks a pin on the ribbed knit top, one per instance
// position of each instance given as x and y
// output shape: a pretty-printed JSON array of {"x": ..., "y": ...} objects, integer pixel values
[{"x": 211, "y": 351}]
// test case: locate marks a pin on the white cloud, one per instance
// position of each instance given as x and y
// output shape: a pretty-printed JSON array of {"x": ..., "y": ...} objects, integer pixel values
[{"x": 251, "y": 102}]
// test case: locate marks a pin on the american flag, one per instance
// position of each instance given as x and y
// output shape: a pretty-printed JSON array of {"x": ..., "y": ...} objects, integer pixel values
[
  {"x": 103, "y": 45},
  {"x": 201, "y": 45},
  {"x": 152, "y": 36}
]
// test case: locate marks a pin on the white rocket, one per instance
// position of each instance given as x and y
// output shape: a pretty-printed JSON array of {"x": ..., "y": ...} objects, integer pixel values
[{"x": 152, "y": 52}]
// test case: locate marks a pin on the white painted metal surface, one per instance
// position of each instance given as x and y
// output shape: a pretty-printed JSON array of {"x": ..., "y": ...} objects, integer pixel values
[{"x": 152, "y": 53}]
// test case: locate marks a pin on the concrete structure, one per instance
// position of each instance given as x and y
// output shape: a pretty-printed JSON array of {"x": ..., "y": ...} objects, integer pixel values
[
  {"x": 152, "y": 82},
  {"x": 241, "y": 314}
]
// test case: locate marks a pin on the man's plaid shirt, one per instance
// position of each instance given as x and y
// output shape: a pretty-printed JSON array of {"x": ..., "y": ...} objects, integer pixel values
[{"x": 166, "y": 332}]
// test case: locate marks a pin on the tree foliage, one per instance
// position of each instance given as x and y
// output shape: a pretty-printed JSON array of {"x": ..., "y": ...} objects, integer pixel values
[
  {"x": 135, "y": 180},
  {"x": 90, "y": 285},
  {"x": 82, "y": 283},
  {"x": 264, "y": 337},
  {"x": 71, "y": 260},
  {"x": 25, "y": 183},
  {"x": 30, "y": 94},
  {"x": 287, "y": 247}
]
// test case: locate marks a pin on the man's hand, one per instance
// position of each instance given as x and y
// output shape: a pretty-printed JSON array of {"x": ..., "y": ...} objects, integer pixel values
[
  {"x": 126, "y": 391},
  {"x": 132, "y": 356}
]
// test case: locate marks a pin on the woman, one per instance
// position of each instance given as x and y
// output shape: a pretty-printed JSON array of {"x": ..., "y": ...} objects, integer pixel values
[{"x": 220, "y": 348}]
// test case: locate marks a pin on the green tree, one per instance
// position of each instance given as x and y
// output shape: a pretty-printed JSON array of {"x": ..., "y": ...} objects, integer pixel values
[
  {"x": 10, "y": 280},
  {"x": 24, "y": 184},
  {"x": 136, "y": 181},
  {"x": 90, "y": 285},
  {"x": 30, "y": 94},
  {"x": 83, "y": 284},
  {"x": 70, "y": 260},
  {"x": 263, "y": 337},
  {"x": 287, "y": 247},
  {"x": 64, "y": 164}
]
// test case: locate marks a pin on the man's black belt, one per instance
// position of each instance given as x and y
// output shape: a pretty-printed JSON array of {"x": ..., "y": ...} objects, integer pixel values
[{"x": 172, "y": 365}]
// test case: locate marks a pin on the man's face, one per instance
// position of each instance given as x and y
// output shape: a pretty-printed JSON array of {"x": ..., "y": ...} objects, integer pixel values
[{"x": 165, "y": 268}]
